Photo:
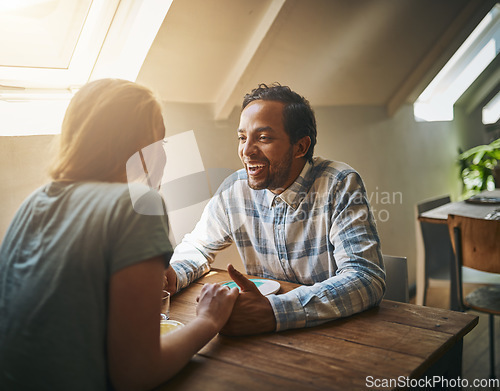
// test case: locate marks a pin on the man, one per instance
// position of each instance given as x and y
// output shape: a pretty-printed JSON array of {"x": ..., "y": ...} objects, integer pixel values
[{"x": 292, "y": 217}]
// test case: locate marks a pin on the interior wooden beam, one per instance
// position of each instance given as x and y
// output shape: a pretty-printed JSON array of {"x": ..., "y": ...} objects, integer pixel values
[{"x": 229, "y": 93}]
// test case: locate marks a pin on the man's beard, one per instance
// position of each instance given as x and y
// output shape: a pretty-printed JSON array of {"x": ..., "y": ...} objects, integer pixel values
[{"x": 277, "y": 176}]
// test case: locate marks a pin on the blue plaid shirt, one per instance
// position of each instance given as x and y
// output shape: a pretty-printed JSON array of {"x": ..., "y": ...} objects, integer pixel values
[{"x": 319, "y": 233}]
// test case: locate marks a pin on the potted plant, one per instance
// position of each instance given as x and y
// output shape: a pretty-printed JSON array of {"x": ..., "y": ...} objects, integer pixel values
[{"x": 479, "y": 168}]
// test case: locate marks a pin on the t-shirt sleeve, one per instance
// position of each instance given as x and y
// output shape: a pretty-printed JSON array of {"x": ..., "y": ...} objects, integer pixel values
[{"x": 137, "y": 237}]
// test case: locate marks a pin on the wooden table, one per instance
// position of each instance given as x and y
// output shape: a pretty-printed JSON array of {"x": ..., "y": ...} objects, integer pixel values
[
  {"x": 388, "y": 342},
  {"x": 440, "y": 214}
]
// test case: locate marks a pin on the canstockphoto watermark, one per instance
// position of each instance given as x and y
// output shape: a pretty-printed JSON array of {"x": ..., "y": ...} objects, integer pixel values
[
  {"x": 180, "y": 185},
  {"x": 437, "y": 382},
  {"x": 379, "y": 201}
]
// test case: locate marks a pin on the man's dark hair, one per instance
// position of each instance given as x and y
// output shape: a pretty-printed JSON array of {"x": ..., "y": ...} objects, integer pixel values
[{"x": 298, "y": 116}]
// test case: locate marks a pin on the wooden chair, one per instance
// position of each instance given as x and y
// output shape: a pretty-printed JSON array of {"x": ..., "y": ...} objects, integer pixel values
[
  {"x": 476, "y": 243},
  {"x": 396, "y": 279},
  {"x": 436, "y": 256}
]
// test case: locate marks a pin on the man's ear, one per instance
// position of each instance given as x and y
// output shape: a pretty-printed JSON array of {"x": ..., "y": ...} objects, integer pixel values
[{"x": 302, "y": 146}]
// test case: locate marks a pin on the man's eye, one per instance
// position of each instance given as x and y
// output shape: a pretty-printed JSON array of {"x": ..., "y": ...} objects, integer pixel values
[
  {"x": 265, "y": 138},
  {"x": 241, "y": 138}
]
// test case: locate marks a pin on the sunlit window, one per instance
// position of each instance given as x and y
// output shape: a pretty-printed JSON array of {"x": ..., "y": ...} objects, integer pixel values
[
  {"x": 491, "y": 111},
  {"x": 481, "y": 47},
  {"x": 40, "y": 33},
  {"x": 50, "y": 48}
]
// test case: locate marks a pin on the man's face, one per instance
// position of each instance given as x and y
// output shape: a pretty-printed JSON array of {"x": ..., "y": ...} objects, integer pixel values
[{"x": 264, "y": 146}]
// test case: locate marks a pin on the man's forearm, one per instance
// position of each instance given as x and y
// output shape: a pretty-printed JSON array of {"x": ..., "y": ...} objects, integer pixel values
[
  {"x": 188, "y": 271},
  {"x": 335, "y": 298}
]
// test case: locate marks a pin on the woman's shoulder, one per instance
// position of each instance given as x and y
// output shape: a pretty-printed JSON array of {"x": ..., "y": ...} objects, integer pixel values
[{"x": 132, "y": 197}]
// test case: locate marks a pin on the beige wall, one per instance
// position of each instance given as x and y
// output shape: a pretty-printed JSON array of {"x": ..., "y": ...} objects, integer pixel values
[
  {"x": 401, "y": 161},
  {"x": 23, "y": 168}
]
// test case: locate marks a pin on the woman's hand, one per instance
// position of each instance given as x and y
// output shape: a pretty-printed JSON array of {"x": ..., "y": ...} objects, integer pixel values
[
  {"x": 170, "y": 280},
  {"x": 215, "y": 304}
]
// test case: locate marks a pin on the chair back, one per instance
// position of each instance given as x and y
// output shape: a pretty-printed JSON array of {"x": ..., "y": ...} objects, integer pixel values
[
  {"x": 432, "y": 203},
  {"x": 437, "y": 245},
  {"x": 396, "y": 279},
  {"x": 476, "y": 242}
]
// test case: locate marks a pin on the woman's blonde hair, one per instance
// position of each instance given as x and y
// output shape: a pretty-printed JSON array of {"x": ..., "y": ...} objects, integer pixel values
[{"x": 106, "y": 122}]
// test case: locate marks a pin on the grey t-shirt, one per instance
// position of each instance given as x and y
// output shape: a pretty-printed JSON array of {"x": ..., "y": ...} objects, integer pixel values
[{"x": 56, "y": 261}]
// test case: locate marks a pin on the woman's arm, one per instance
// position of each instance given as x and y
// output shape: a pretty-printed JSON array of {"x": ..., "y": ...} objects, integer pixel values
[{"x": 139, "y": 358}]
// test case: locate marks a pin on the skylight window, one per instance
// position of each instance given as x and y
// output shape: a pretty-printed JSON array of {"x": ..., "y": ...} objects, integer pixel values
[
  {"x": 51, "y": 44},
  {"x": 491, "y": 111},
  {"x": 50, "y": 48},
  {"x": 40, "y": 33},
  {"x": 481, "y": 47}
]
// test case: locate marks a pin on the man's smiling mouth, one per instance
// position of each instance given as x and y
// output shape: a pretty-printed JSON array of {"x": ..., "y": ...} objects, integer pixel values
[{"x": 255, "y": 169}]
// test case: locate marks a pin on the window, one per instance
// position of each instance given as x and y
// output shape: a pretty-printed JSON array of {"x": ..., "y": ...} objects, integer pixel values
[
  {"x": 481, "y": 47},
  {"x": 491, "y": 111},
  {"x": 53, "y": 47}
]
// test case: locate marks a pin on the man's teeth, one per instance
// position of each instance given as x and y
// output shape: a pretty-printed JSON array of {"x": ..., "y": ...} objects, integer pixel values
[{"x": 253, "y": 168}]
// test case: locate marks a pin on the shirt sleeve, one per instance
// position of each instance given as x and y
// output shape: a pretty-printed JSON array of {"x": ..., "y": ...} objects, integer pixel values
[
  {"x": 194, "y": 255},
  {"x": 359, "y": 282},
  {"x": 136, "y": 236}
]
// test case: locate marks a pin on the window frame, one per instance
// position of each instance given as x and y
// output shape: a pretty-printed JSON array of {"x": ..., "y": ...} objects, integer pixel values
[
  {"x": 116, "y": 48},
  {"x": 436, "y": 102}
]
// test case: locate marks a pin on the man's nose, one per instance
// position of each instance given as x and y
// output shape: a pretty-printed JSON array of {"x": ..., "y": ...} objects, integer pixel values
[{"x": 248, "y": 148}]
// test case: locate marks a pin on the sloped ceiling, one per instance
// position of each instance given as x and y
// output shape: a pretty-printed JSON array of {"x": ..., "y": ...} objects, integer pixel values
[{"x": 334, "y": 52}]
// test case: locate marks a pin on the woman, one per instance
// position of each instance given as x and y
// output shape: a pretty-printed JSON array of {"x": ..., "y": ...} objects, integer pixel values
[{"x": 81, "y": 272}]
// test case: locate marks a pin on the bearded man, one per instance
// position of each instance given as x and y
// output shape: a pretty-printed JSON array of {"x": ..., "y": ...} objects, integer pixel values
[{"x": 292, "y": 217}]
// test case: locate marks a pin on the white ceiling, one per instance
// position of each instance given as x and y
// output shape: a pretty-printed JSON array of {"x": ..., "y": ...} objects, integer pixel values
[{"x": 334, "y": 52}]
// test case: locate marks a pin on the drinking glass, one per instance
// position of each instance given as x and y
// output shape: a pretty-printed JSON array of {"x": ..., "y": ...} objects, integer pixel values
[{"x": 165, "y": 305}]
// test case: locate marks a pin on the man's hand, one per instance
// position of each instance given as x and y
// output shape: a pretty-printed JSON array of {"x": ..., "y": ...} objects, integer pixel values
[
  {"x": 170, "y": 280},
  {"x": 252, "y": 313}
]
